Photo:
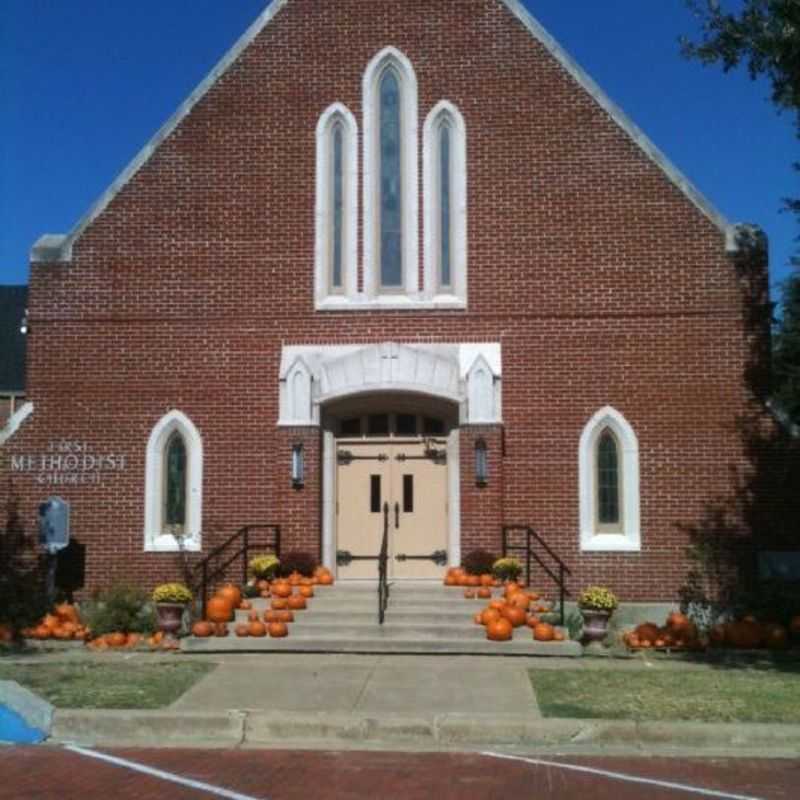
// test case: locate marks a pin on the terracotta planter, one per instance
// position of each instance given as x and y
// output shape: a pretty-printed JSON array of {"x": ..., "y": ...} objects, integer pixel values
[
  {"x": 170, "y": 617},
  {"x": 595, "y": 624}
]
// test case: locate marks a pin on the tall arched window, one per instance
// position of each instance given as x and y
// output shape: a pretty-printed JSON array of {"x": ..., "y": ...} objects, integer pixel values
[
  {"x": 390, "y": 179},
  {"x": 608, "y": 466},
  {"x": 336, "y": 207},
  {"x": 173, "y": 485},
  {"x": 174, "y": 498},
  {"x": 445, "y": 176}
]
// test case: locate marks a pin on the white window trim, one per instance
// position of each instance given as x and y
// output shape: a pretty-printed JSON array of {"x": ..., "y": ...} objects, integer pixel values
[
  {"x": 629, "y": 539},
  {"x": 458, "y": 205},
  {"x": 371, "y": 169},
  {"x": 154, "y": 538},
  {"x": 324, "y": 293}
]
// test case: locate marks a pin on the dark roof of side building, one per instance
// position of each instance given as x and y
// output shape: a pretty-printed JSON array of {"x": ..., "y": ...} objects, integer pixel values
[{"x": 13, "y": 302}]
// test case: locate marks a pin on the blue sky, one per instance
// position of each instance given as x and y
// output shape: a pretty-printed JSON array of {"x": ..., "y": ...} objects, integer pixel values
[{"x": 85, "y": 83}]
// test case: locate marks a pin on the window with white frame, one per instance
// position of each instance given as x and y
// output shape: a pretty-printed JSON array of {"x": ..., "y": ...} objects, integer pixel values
[
  {"x": 336, "y": 206},
  {"x": 445, "y": 200},
  {"x": 390, "y": 179},
  {"x": 173, "y": 485},
  {"x": 609, "y": 484}
]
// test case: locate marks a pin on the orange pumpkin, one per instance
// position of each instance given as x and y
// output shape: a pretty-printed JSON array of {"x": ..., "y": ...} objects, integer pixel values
[
  {"x": 278, "y": 630},
  {"x": 776, "y": 637},
  {"x": 484, "y": 593},
  {"x": 284, "y": 616},
  {"x": 257, "y": 629},
  {"x": 221, "y": 629},
  {"x": 511, "y": 588},
  {"x": 279, "y": 603},
  {"x": 133, "y": 639},
  {"x": 297, "y": 602},
  {"x": 232, "y": 593},
  {"x": 219, "y": 609},
  {"x": 487, "y": 580},
  {"x": 265, "y": 594},
  {"x": 490, "y": 615},
  {"x": 544, "y": 632},
  {"x": 281, "y": 589},
  {"x": 271, "y": 616},
  {"x": 463, "y": 580},
  {"x": 515, "y": 615},
  {"x": 451, "y": 580},
  {"x": 307, "y": 591},
  {"x": 116, "y": 639},
  {"x": 202, "y": 629},
  {"x": 648, "y": 631},
  {"x": 295, "y": 579},
  {"x": 498, "y": 604},
  {"x": 533, "y": 621},
  {"x": 500, "y": 630},
  {"x": 242, "y": 629},
  {"x": 326, "y": 580},
  {"x": 677, "y": 622},
  {"x": 469, "y": 594},
  {"x": 478, "y": 618},
  {"x": 51, "y": 621},
  {"x": 67, "y": 612},
  {"x": 521, "y": 600},
  {"x": 42, "y": 632},
  {"x": 473, "y": 580},
  {"x": 559, "y": 636}
]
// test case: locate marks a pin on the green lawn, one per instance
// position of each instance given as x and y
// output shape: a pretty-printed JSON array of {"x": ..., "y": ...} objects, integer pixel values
[
  {"x": 708, "y": 695},
  {"x": 117, "y": 685}
]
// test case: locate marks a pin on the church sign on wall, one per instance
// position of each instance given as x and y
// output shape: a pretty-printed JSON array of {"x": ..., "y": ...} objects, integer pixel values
[{"x": 68, "y": 463}]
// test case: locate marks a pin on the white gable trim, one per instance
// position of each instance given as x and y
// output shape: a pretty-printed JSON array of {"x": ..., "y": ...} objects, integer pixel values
[
  {"x": 58, "y": 247},
  {"x": 15, "y": 421}
]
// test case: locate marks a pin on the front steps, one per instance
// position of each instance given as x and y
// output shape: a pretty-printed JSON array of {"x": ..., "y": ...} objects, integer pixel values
[{"x": 421, "y": 618}]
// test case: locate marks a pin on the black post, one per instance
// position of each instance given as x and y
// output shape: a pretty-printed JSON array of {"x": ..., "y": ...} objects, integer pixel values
[
  {"x": 278, "y": 541},
  {"x": 528, "y": 559},
  {"x": 561, "y": 587},
  {"x": 245, "y": 555}
]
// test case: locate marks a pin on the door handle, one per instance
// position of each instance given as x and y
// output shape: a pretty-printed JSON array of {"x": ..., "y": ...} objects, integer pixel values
[{"x": 397, "y": 515}]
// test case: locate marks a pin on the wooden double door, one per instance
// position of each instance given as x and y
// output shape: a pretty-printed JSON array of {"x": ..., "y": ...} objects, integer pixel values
[{"x": 402, "y": 483}]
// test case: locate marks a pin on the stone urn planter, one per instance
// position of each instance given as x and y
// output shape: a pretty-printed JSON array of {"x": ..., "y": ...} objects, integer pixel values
[
  {"x": 170, "y": 617},
  {"x": 595, "y": 624}
]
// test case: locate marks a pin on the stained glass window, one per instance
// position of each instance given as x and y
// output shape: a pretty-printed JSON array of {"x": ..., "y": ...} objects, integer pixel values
[
  {"x": 444, "y": 205},
  {"x": 337, "y": 206},
  {"x": 175, "y": 494},
  {"x": 391, "y": 245},
  {"x": 607, "y": 480}
]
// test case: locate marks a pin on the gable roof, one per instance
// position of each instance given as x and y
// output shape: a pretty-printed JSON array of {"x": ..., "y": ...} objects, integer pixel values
[
  {"x": 58, "y": 247},
  {"x": 13, "y": 302}
]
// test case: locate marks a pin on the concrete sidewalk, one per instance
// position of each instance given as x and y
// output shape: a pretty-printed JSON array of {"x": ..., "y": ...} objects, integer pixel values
[{"x": 365, "y": 684}]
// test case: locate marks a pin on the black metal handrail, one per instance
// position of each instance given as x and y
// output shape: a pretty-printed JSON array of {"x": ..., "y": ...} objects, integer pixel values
[
  {"x": 209, "y": 574},
  {"x": 383, "y": 568},
  {"x": 530, "y": 554}
]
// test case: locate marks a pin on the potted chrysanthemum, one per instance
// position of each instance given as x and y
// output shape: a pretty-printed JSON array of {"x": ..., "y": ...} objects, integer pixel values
[
  {"x": 507, "y": 569},
  {"x": 170, "y": 601},
  {"x": 596, "y": 604}
]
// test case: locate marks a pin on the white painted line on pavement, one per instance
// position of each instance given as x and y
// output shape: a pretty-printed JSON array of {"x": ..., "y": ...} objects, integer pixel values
[
  {"x": 217, "y": 791},
  {"x": 622, "y": 776}
]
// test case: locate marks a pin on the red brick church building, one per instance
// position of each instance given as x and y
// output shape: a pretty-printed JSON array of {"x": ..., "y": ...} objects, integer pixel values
[{"x": 389, "y": 253}]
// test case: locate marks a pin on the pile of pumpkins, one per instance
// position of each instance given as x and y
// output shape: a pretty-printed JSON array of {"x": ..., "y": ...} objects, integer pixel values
[
  {"x": 679, "y": 633},
  {"x": 517, "y": 608},
  {"x": 749, "y": 634},
  {"x": 128, "y": 641},
  {"x": 286, "y": 596},
  {"x": 62, "y": 624},
  {"x": 458, "y": 576}
]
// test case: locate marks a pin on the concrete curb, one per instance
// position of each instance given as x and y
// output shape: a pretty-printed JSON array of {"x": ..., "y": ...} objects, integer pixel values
[
  {"x": 274, "y": 728},
  {"x": 36, "y": 712}
]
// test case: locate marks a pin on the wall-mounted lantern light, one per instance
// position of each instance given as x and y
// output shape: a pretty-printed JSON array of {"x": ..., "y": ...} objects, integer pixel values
[
  {"x": 298, "y": 466},
  {"x": 481, "y": 463}
]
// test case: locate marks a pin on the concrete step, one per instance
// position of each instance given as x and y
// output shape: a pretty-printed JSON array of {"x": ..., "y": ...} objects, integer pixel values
[
  {"x": 294, "y": 643},
  {"x": 328, "y": 616}
]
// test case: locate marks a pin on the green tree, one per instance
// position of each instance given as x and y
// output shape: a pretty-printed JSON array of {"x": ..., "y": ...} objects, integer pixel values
[{"x": 764, "y": 36}]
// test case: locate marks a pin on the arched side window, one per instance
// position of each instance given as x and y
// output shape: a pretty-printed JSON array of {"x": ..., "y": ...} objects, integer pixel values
[
  {"x": 445, "y": 182},
  {"x": 390, "y": 179},
  {"x": 173, "y": 485},
  {"x": 608, "y": 467},
  {"x": 336, "y": 249}
]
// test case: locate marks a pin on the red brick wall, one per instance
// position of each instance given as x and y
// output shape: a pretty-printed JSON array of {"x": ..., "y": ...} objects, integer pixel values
[{"x": 602, "y": 282}]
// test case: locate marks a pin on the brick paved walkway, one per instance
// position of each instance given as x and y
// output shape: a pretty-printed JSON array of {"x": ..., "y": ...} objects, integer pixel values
[{"x": 53, "y": 774}]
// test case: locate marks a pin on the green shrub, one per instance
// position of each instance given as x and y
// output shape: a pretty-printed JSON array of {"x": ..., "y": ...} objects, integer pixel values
[
  {"x": 120, "y": 608},
  {"x": 478, "y": 562},
  {"x": 297, "y": 561}
]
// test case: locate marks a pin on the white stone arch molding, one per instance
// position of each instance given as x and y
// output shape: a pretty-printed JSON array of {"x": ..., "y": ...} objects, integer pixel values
[
  {"x": 155, "y": 538},
  {"x": 445, "y": 113},
  {"x": 325, "y": 293},
  {"x": 391, "y": 57},
  {"x": 628, "y": 539}
]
